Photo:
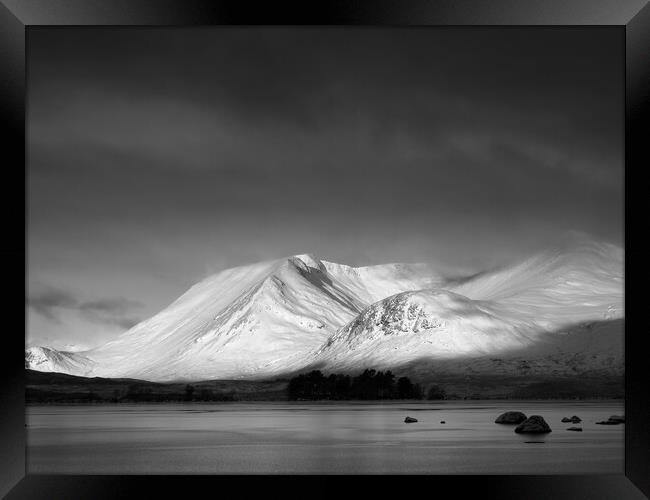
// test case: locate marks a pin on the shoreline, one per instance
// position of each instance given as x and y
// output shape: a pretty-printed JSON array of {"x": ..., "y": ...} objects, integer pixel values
[{"x": 324, "y": 402}]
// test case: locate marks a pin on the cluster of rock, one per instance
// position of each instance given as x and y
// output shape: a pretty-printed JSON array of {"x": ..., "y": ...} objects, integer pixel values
[
  {"x": 574, "y": 420},
  {"x": 533, "y": 425},
  {"x": 536, "y": 424},
  {"x": 613, "y": 420},
  {"x": 525, "y": 425},
  {"x": 410, "y": 420}
]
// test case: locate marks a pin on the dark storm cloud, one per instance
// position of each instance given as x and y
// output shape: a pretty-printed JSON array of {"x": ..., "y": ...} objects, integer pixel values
[
  {"x": 50, "y": 302},
  {"x": 172, "y": 152},
  {"x": 263, "y": 99}
]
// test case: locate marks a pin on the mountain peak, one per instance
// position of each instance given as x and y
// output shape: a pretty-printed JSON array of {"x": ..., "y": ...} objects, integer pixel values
[
  {"x": 308, "y": 259},
  {"x": 577, "y": 242}
]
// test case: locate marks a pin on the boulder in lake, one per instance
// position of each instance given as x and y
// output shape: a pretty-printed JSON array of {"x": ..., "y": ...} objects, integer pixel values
[
  {"x": 510, "y": 417},
  {"x": 533, "y": 425},
  {"x": 410, "y": 420},
  {"x": 613, "y": 420},
  {"x": 576, "y": 429},
  {"x": 574, "y": 419},
  {"x": 442, "y": 421}
]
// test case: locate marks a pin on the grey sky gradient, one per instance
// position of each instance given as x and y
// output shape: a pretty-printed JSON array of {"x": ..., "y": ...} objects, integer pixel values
[{"x": 159, "y": 156}]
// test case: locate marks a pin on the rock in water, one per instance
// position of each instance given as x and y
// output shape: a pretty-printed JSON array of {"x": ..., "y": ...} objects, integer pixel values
[
  {"x": 574, "y": 419},
  {"x": 533, "y": 425},
  {"x": 577, "y": 429},
  {"x": 410, "y": 420},
  {"x": 510, "y": 417},
  {"x": 613, "y": 420}
]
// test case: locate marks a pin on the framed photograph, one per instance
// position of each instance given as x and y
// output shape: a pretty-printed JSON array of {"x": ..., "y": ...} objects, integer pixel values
[{"x": 355, "y": 239}]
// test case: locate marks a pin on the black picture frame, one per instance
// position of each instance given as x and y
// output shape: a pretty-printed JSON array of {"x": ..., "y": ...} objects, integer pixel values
[{"x": 16, "y": 16}]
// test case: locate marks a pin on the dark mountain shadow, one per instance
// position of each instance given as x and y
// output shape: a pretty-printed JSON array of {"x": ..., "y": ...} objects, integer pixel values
[
  {"x": 582, "y": 360},
  {"x": 322, "y": 282}
]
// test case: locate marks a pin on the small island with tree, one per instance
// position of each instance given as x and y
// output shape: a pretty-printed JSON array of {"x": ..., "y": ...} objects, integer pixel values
[{"x": 368, "y": 385}]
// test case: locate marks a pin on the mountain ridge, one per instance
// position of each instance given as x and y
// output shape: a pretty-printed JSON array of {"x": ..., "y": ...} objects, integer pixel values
[{"x": 283, "y": 315}]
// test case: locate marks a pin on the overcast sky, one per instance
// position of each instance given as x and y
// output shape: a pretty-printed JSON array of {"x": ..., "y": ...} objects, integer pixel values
[{"x": 159, "y": 156}]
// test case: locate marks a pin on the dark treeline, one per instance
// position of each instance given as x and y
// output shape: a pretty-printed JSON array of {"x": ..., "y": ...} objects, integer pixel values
[
  {"x": 133, "y": 394},
  {"x": 369, "y": 385},
  {"x": 137, "y": 393}
]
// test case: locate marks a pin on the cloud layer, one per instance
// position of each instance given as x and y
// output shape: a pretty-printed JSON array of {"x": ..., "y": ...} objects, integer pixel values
[
  {"x": 50, "y": 302},
  {"x": 158, "y": 156}
]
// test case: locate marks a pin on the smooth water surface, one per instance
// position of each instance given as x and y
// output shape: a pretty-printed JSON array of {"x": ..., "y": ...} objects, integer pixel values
[{"x": 333, "y": 437}]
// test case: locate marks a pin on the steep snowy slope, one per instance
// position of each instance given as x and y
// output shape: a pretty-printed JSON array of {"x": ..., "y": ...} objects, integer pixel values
[
  {"x": 580, "y": 280},
  {"x": 374, "y": 283},
  {"x": 239, "y": 323}
]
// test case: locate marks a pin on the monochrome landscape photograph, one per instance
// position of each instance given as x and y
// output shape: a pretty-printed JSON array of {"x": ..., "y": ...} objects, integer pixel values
[{"x": 283, "y": 250}]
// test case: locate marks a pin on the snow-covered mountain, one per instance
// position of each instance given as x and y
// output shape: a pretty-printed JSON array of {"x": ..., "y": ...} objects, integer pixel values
[
  {"x": 559, "y": 310},
  {"x": 45, "y": 359},
  {"x": 425, "y": 323},
  {"x": 250, "y": 321}
]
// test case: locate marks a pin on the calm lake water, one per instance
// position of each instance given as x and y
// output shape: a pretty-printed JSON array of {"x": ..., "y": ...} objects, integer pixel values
[{"x": 316, "y": 438}]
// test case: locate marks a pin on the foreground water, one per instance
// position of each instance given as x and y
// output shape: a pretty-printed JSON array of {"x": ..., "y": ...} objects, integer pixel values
[{"x": 339, "y": 438}]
